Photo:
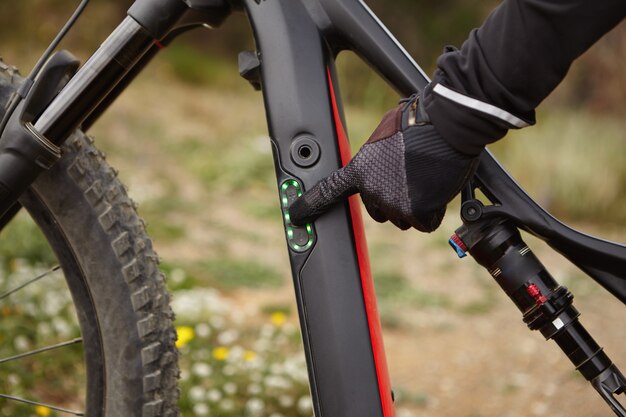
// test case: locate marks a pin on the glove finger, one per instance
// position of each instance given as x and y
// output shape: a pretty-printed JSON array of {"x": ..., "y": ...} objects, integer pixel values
[
  {"x": 428, "y": 222},
  {"x": 316, "y": 201},
  {"x": 373, "y": 210},
  {"x": 400, "y": 224}
]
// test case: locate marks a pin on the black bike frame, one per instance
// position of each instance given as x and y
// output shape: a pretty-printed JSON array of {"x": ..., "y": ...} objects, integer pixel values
[{"x": 297, "y": 42}]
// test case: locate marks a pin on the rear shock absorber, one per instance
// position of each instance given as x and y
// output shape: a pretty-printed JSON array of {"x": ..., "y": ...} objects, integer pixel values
[{"x": 546, "y": 306}]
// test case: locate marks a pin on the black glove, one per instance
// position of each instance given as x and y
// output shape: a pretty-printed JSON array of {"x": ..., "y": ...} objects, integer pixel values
[{"x": 406, "y": 173}]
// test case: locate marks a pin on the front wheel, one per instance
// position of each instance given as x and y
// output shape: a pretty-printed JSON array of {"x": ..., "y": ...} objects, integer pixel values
[{"x": 99, "y": 341}]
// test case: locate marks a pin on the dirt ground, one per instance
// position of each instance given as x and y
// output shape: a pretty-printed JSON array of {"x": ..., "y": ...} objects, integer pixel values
[{"x": 445, "y": 362}]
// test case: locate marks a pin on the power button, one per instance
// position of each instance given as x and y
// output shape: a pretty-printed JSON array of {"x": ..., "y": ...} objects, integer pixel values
[{"x": 299, "y": 238}]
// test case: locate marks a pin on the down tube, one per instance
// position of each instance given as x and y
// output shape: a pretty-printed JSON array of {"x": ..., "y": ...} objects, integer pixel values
[{"x": 333, "y": 286}]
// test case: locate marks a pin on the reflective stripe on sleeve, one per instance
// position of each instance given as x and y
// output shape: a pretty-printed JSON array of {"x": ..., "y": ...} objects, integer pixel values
[{"x": 481, "y": 106}]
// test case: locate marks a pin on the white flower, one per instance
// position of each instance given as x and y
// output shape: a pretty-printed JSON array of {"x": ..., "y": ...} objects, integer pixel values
[
  {"x": 304, "y": 404},
  {"x": 214, "y": 395},
  {"x": 236, "y": 353},
  {"x": 201, "y": 409},
  {"x": 293, "y": 366},
  {"x": 197, "y": 393},
  {"x": 199, "y": 304},
  {"x": 227, "y": 337},
  {"x": 63, "y": 328},
  {"x": 21, "y": 343},
  {"x": 201, "y": 369},
  {"x": 55, "y": 302},
  {"x": 255, "y": 406},
  {"x": 277, "y": 382},
  {"x": 177, "y": 275},
  {"x": 44, "y": 329},
  {"x": 230, "y": 388},
  {"x": 203, "y": 330}
]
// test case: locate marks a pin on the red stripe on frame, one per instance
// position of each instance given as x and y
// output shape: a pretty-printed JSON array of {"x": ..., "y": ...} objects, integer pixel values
[{"x": 367, "y": 283}]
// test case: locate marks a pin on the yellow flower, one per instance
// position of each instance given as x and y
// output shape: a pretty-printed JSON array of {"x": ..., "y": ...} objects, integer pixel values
[
  {"x": 42, "y": 411},
  {"x": 221, "y": 353},
  {"x": 185, "y": 335},
  {"x": 249, "y": 355},
  {"x": 278, "y": 318}
]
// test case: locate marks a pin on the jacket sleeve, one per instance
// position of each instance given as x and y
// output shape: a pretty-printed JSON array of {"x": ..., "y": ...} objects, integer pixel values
[{"x": 510, "y": 64}]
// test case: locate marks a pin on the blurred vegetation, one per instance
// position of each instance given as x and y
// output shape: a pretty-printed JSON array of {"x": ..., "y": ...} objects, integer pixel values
[
  {"x": 424, "y": 27},
  {"x": 585, "y": 180},
  {"x": 40, "y": 314}
]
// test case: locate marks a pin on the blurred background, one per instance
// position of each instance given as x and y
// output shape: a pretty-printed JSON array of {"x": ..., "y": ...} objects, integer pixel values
[{"x": 190, "y": 141}]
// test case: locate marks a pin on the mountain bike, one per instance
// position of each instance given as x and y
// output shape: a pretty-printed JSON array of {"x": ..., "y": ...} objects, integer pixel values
[{"x": 50, "y": 168}]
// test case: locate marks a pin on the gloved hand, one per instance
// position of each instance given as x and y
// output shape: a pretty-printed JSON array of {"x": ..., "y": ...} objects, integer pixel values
[{"x": 406, "y": 173}]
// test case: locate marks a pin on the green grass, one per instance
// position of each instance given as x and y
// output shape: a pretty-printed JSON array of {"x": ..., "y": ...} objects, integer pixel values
[
  {"x": 572, "y": 163},
  {"x": 393, "y": 288},
  {"x": 22, "y": 239},
  {"x": 229, "y": 273},
  {"x": 269, "y": 309},
  {"x": 195, "y": 67}
]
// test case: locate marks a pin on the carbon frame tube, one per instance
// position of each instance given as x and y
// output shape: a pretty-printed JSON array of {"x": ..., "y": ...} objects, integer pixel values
[
  {"x": 332, "y": 279},
  {"x": 352, "y": 25},
  {"x": 297, "y": 42}
]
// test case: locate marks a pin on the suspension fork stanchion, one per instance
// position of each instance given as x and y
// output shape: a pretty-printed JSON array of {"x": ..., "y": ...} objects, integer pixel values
[
  {"x": 29, "y": 146},
  {"x": 497, "y": 245},
  {"x": 202, "y": 14},
  {"x": 147, "y": 22}
]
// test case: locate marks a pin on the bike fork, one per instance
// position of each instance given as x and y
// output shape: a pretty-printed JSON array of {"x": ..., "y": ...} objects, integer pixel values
[
  {"x": 546, "y": 306},
  {"x": 37, "y": 127}
]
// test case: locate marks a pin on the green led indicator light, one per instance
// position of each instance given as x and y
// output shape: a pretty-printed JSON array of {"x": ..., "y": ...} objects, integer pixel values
[{"x": 293, "y": 232}]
